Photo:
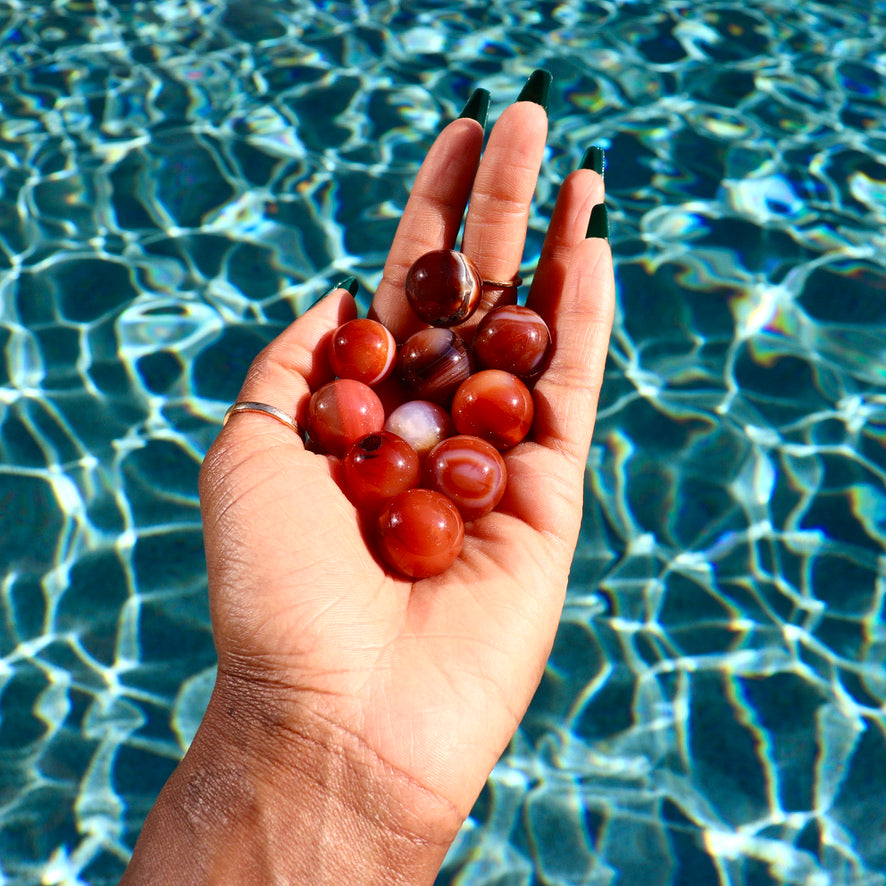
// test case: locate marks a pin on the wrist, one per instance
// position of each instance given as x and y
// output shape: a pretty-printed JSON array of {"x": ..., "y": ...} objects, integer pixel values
[{"x": 267, "y": 796}]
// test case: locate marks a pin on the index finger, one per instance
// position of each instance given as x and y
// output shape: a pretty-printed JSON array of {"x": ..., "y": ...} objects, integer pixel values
[{"x": 431, "y": 219}]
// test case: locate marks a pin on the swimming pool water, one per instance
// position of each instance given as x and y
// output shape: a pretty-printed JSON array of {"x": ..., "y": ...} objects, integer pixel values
[{"x": 179, "y": 179}]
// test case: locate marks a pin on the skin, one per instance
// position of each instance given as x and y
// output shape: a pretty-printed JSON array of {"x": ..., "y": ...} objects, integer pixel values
[{"x": 357, "y": 715}]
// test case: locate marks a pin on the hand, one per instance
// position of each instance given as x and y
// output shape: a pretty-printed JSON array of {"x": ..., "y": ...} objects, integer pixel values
[{"x": 383, "y": 704}]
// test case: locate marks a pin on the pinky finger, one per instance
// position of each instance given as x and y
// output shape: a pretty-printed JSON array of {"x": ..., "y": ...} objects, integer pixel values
[{"x": 566, "y": 395}]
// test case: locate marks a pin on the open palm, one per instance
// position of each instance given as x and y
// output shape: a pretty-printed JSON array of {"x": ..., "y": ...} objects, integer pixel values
[{"x": 418, "y": 685}]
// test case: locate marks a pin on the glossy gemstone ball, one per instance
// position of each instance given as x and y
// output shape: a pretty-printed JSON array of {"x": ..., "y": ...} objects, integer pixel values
[
  {"x": 434, "y": 362},
  {"x": 443, "y": 287},
  {"x": 420, "y": 423},
  {"x": 420, "y": 533},
  {"x": 341, "y": 412},
  {"x": 513, "y": 338},
  {"x": 363, "y": 350},
  {"x": 495, "y": 406},
  {"x": 470, "y": 472},
  {"x": 376, "y": 468}
]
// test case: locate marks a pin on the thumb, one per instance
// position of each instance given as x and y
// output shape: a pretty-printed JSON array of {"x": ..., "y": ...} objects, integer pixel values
[{"x": 297, "y": 362}]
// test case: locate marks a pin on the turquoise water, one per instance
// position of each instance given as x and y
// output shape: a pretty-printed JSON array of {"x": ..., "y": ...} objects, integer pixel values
[{"x": 180, "y": 179}]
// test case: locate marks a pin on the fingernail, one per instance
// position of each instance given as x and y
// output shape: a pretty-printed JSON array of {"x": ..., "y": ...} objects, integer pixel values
[
  {"x": 594, "y": 158},
  {"x": 476, "y": 107},
  {"x": 349, "y": 283},
  {"x": 599, "y": 223},
  {"x": 537, "y": 88}
]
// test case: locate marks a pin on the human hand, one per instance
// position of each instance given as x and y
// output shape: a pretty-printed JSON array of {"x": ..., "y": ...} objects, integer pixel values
[{"x": 380, "y": 703}]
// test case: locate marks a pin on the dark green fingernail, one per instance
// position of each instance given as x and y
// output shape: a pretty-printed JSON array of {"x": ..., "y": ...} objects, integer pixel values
[
  {"x": 537, "y": 88},
  {"x": 476, "y": 107},
  {"x": 599, "y": 223},
  {"x": 349, "y": 283},
  {"x": 594, "y": 158}
]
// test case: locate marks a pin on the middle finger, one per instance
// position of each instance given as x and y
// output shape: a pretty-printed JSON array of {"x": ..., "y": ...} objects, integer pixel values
[
  {"x": 500, "y": 188},
  {"x": 498, "y": 211}
]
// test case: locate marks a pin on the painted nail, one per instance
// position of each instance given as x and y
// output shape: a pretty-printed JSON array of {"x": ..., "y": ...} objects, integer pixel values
[
  {"x": 599, "y": 223},
  {"x": 476, "y": 107},
  {"x": 349, "y": 283},
  {"x": 594, "y": 158},
  {"x": 537, "y": 88}
]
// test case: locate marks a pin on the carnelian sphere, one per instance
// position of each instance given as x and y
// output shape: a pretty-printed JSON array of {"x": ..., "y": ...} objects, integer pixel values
[
  {"x": 512, "y": 338},
  {"x": 470, "y": 472},
  {"x": 341, "y": 412},
  {"x": 420, "y": 533},
  {"x": 376, "y": 468},
  {"x": 494, "y": 405},
  {"x": 363, "y": 350},
  {"x": 443, "y": 287},
  {"x": 434, "y": 362},
  {"x": 421, "y": 423}
]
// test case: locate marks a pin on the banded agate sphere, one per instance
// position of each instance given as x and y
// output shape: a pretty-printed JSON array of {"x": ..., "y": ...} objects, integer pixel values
[
  {"x": 376, "y": 468},
  {"x": 470, "y": 472},
  {"x": 443, "y": 287},
  {"x": 341, "y": 412},
  {"x": 512, "y": 338},
  {"x": 420, "y": 533},
  {"x": 421, "y": 423},
  {"x": 363, "y": 350},
  {"x": 434, "y": 362},
  {"x": 495, "y": 406}
]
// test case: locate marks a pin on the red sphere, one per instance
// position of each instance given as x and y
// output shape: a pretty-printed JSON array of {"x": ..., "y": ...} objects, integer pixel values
[
  {"x": 363, "y": 350},
  {"x": 434, "y": 362},
  {"x": 470, "y": 472},
  {"x": 376, "y": 468},
  {"x": 512, "y": 338},
  {"x": 494, "y": 405},
  {"x": 443, "y": 287},
  {"x": 420, "y": 533},
  {"x": 342, "y": 412}
]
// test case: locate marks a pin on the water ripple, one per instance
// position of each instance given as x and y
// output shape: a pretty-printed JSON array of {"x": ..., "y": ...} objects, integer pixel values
[{"x": 179, "y": 179}]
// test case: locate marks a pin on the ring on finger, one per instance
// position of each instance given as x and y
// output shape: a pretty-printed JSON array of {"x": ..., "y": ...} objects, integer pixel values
[
  {"x": 264, "y": 409},
  {"x": 501, "y": 284}
]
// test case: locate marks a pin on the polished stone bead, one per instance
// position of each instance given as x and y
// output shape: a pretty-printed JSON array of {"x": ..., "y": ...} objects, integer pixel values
[
  {"x": 420, "y": 423},
  {"x": 376, "y": 468},
  {"x": 513, "y": 338},
  {"x": 470, "y": 472},
  {"x": 494, "y": 405},
  {"x": 420, "y": 533},
  {"x": 363, "y": 350},
  {"x": 341, "y": 412},
  {"x": 443, "y": 287},
  {"x": 434, "y": 362}
]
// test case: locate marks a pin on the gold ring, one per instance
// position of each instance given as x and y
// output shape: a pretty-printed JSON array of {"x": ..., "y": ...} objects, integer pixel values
[
  {"x": 265, "y": 409},
  {"x": 502, "y": 284}
]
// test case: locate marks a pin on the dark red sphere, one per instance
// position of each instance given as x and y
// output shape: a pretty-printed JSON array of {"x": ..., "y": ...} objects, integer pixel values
[
  {"x": 420, "y": 533},
  {"x": 443, "y": 287},
  {"x": 376, "y": 468},
  {"x": 494, "y": 405},
  {"x": 470, "y": 472},
  {"x": 363, "y": 350},
  {"x": 342, "y": 412},
  {"x": 512, "y": 338},
  {"x": 434, "y": 362}
]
